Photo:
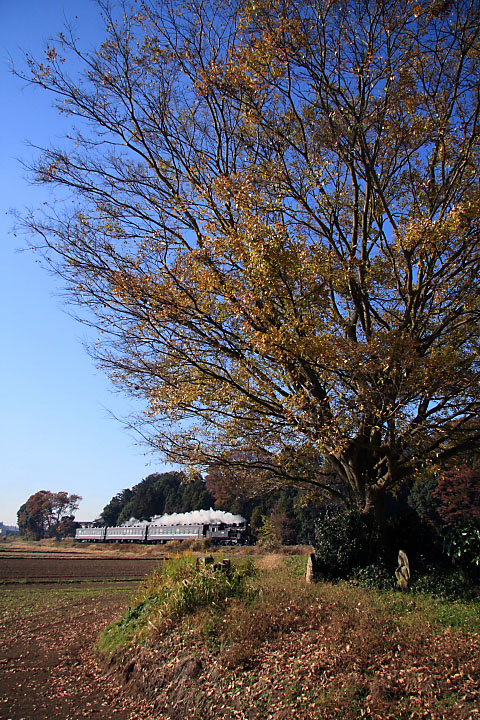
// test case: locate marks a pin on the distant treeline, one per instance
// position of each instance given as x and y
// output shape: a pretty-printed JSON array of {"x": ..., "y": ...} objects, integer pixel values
[
  {"x": 159, "y": 493},
  {"x": 287, "y": 514}
]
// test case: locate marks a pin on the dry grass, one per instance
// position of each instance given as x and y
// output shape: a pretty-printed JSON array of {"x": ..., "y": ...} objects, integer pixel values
[
  {"x": 322, "y": 651},
  {"x": 45, "y": 548},
  {"x": 272, "y": 561}
]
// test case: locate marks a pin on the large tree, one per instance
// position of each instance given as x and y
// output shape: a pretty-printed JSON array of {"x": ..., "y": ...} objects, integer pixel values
[
  {"x": 47, "y": 514},
  {"x": 275, "y": 222}
]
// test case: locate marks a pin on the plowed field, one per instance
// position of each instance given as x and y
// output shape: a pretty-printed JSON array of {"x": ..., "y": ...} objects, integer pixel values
[
  {"x": 52, "y": 607},
  {"x": 48, "y": 569}
]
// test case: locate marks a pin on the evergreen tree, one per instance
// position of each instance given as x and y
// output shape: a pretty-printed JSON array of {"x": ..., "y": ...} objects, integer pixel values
[{"x": 158, "y": 494}]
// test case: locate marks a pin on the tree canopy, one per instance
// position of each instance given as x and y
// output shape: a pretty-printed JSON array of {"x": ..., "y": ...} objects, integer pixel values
[
  {"x": 275, "y": 223},
  {"x": 48, "y": 514},
  {"x": 159, "y": 493}
]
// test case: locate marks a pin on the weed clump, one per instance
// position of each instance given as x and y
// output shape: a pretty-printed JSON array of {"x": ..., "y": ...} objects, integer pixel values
[{"x": 176, "y": 589}]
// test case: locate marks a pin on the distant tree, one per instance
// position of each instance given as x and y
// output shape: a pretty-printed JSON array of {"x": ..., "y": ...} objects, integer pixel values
[
  {"x": 45, "y": 513},
  {"x": 112, "y": 510},
  {"x": 67, "y": 527},
  {"x": 284, "y": 525},
  {"x": 256, "y": 520},
  {"x": 144, "y": 502},
  {"x": 223, "y": 484},
  {"x": 172, "y": 501},
  {"x": 267, "y": 533},
  {"x": 28, "y": 525}
]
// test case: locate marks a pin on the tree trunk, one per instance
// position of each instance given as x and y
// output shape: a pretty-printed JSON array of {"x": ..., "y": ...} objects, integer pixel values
[
  {"x": 374, "y": 505},
  {"x": 356, "y": 466}
]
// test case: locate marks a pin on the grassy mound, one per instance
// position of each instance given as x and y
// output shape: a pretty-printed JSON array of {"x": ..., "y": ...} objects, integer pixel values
[
  {"x": 175, "y": 590},
  {"x": 265, "y": 646}
]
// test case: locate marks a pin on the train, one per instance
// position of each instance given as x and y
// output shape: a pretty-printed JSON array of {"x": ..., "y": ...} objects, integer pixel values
[{"x": 219, "y": 533}]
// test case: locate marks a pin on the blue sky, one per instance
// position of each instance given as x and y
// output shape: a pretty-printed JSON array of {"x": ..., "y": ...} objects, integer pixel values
[{"x": 56, "y": 431}]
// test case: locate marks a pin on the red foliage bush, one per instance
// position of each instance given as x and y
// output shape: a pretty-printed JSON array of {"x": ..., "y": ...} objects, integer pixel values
[{"x": 458, "y": 495}]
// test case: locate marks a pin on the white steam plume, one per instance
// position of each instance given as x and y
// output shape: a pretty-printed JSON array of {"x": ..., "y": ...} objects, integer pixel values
[{"x": 195, "y": 517}]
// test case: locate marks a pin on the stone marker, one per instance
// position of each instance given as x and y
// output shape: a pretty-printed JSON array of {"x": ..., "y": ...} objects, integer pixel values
[
  {"x": 223, "y": 566},
  {"x": 204, "y": 560},
  {"x": 402, "y": 573},
  {"x": 310, "y": 575}
]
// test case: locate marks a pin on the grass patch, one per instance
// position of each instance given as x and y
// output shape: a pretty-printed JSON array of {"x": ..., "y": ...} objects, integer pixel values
[
  {"x": 423, "y": 608},
  {"x": 20, "y": 600},
  {"x": 178, "y": 588}
]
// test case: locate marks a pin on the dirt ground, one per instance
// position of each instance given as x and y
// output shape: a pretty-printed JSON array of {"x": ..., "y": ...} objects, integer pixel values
[
  {"x": 65, "y": 568},
  {"x": 48, "y": 669}
]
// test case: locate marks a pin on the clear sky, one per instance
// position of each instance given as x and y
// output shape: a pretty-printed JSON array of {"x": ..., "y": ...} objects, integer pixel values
[{"x": 56, "y": 432}]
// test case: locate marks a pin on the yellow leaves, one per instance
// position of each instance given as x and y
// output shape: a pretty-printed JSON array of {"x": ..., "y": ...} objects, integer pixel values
[
  {"x": 244, "y": 261},
  {"x": 430, "y": 249},
  {"x": 51, "y": 54},
  {"x": 467, "y": 211}
]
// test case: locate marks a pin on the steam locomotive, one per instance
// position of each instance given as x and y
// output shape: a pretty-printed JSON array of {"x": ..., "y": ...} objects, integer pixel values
[{"x": 220, "y": 533}]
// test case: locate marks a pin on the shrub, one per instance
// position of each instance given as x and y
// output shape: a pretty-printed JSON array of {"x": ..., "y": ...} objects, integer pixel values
[
  {"x": 344, "y": 541},
  {"x": 267, "y": 534},
  {"x": 445, "y": 583},
  {"x": 373, "y": 576},
  {"x": 462, "y": 547}
]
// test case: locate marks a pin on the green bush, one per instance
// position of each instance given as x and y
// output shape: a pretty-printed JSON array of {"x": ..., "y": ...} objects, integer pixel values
[
  {"x": 373, "y": 576},
  {"x": 203, "y": 588},
  {"x": 448, "y": 583},
  {"x": 462, "y": 547},
  {"x": 345, "y": 541}
]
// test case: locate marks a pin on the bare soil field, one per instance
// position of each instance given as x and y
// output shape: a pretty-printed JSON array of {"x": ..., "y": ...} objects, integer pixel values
[
  {"x": 43, "y": 569},
  {"x": 52, "y": 608}
]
